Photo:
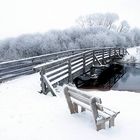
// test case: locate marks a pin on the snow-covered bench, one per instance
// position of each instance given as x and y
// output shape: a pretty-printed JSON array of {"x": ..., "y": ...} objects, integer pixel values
[{"x": 100, "y": 113}]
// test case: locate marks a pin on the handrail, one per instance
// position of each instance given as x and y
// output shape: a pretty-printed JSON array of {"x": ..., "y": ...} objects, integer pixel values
[
  {"x": 15, "y": 68},
  {"x": 41, "y": 56},
  {"x": 66, "y": 68}
]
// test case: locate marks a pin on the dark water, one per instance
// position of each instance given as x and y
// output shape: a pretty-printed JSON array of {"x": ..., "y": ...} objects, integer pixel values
[{"x": 127, "y": 78}]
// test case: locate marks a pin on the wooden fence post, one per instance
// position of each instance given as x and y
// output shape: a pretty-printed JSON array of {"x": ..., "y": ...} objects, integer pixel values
[
  {"x": 115, "y": 53},
  {"x": 103, "y": 51},
  {"x": 93, "y": 57},
  {"x": 69, "y": 71},
  {"x": 43, "y": 85},
  {"x": 119, "y": 51},
  {"x": 84, "y": 63},
  {"x": 110, "y": 53},
  {"x": 123, "y": 51}
]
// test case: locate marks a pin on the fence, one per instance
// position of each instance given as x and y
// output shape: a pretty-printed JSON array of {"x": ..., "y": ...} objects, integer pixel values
[
  {"x": 16, "y": 68},
  {"x": 71, "y": 67}
]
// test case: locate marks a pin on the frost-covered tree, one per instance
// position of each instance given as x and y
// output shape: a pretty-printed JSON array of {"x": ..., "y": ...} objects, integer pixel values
[
  {"x": 123, "y": 27},
  {"x": 135, "y": 34},
  {"x": 93, "y": 20},
  {"x": 98, "y": 30},
  {"x": 81, "y": 21}
]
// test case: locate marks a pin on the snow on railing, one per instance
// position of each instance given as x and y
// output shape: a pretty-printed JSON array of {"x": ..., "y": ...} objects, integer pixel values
[
  {"x": 19, "y": 67},
  {"x": 68, "y": 68}
]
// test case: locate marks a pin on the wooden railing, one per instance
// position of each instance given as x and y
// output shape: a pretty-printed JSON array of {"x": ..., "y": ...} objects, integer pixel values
[
  {"x": 16, "y": 68},
  {"x": 66, "y": 69}
]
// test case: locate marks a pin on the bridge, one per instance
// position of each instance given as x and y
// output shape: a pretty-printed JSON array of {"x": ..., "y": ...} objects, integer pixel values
[
  {"x": 66, "y": 69},
  {"x": 15, "y": 68}
]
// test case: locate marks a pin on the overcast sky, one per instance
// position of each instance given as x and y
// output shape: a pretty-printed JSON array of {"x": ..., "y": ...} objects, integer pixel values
[{"x": 29, "y": 16}]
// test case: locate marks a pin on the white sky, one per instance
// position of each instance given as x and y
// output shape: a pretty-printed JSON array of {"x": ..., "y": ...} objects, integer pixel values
[{"x": 29, "y": 16}]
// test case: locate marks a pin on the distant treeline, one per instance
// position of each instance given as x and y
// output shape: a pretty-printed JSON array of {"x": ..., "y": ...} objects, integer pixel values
[{"x": 93, "y": 31}]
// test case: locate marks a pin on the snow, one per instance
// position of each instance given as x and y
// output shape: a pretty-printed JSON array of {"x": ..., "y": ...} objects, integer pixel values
[
  {"x": 134, "y": 55},
  {"x": 28, "y": 115}
]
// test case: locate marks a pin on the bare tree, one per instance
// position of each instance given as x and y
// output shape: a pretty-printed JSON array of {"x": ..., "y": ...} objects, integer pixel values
[
  {"x": 124, "y": 27},
  {"x": 81, "y": 21},
  {"x": 109, "y": 19},
  {"x": 98, "y": 19}
]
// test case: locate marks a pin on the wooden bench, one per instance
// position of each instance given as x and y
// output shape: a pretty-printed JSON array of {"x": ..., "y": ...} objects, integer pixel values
[{"x": 100, "y": 113}]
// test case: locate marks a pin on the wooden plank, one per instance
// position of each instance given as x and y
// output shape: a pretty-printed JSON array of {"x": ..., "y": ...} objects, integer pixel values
[
  {"x": 85, "y": 106},
  {"x": 69, "y": 71},
  {"x": 75, "y": 59},
  {"x": 89, "y": 54},
  {"x": 77, "y": 62},
  {"x": 56, "y": 67},
  {"x": 97, "y": 60},
  {"x": 16, "y": 71},
  {"x": 79, "y": 97},
  {"x": 56, "y": 62},
  {"x": 77, "y": 66},
  {"x": 84, "y": 62},
  {"x": 75, "y": 90},
  {"x": 58, "y": 75},
  {"x": 68, "y": 99},
  {"x": 77, "y": 69},
  {"x": 57, "y": 71},
  {"x": 59, "y": 79},
  {"x": 49, "y": 85},
  {"x": 89, "y": 60}
]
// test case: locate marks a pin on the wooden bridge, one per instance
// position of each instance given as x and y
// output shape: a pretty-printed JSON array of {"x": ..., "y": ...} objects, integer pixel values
[
  {"x": 15, "y": 68},
  {"x": 66, "y": 69}
]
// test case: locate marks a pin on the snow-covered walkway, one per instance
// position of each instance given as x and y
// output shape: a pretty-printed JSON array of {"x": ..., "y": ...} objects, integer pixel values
[{"x": 27, "y": 115}]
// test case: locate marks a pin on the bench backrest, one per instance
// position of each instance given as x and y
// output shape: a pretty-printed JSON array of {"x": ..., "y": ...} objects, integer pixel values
[{"x": 89, "y": 102}]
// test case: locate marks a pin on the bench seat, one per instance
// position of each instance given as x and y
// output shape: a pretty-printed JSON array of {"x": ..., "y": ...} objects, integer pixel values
[{"x": 100, "y": 113}]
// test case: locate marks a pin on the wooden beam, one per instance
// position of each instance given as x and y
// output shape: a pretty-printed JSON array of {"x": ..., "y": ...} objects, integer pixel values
[
  {"x": 49, "y": 85},
  {"x": 97, "y": 60},
  {"x": 69, "y": 71}
]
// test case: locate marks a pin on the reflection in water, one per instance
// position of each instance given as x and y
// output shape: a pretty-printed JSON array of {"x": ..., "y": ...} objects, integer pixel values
[
  {"x": 114, "y": 79},
  {"x": 125, "y": 78},
  {"x": 131, "y": 80}
]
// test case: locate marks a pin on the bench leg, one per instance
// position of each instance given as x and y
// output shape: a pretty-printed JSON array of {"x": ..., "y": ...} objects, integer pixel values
[
  {"x": 83, "y": 109},
  {"x": 68, "y": 99},
  {"x": 100, "y": 126},
  {"x": 111, "y": 122},
  {"x": 75, "y": 106}
]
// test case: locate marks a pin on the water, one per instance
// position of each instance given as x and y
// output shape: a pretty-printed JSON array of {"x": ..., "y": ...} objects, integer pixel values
[
  {"x": 130, "y": 81},
  {"x": 127, "y": 78}
]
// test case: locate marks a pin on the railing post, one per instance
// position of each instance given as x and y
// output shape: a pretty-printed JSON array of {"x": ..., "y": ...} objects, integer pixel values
[
  {"x": 69, "y": 71},
  {"x": 110, "y": 53},
  {"x": 103, "y": 51},
  {"x": 84, "y": 63},
  {"x": 93, "y": 57},
  {"x": 123, "y": 51},
  {"x": 115, "y": 52},
  {"x": 43, "y": 85},
  {"x": 119, "y": 51}
]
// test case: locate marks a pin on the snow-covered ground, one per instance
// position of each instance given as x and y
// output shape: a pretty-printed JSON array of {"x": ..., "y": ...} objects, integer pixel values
[
  {"x": 26, "y": 114},
  {"x": 133, "y": 56}
]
